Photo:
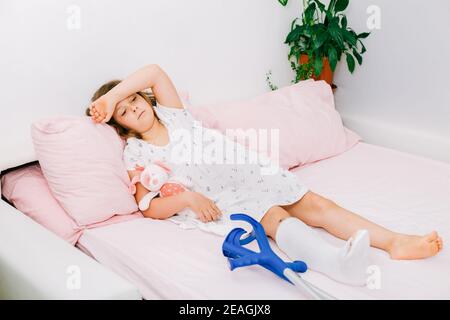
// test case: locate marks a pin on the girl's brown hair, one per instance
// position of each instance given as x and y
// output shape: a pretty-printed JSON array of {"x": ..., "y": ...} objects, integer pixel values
[{"x": 123, "y": 132}]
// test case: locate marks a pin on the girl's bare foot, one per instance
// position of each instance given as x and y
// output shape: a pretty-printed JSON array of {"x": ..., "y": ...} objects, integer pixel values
[{"x": 406, "y": 247}]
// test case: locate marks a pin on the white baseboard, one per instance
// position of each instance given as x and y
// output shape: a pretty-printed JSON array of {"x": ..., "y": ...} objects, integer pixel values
[{"x": 407, "y": 139}]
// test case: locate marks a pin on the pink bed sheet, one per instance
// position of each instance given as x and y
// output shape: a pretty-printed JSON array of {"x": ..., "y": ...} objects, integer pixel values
[{"x": 400, "y": 191}]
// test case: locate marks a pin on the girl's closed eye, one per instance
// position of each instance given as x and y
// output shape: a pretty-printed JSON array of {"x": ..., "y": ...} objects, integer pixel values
[{"x": 125, "y": 111}]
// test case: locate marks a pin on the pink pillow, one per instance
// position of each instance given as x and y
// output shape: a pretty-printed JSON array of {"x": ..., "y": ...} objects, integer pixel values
[
  {"x": 310, "y": 128},
  {"x": 82, "y": 163},
  {"x": 28, "y": 191}
]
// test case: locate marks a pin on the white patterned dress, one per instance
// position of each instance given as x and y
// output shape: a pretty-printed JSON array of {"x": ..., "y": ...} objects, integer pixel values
[{"x": 218, "y": 168}]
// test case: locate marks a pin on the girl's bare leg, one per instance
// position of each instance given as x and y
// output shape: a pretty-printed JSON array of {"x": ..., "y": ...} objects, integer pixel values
[{"x": 318, "y": 211}]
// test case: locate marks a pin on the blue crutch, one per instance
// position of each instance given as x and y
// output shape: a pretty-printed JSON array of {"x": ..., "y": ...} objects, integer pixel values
[{"x": 239, "y": 256}]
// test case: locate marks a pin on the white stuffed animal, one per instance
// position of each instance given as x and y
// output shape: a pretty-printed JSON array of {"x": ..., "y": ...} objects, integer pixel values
[{"x": 156, "y": 178}]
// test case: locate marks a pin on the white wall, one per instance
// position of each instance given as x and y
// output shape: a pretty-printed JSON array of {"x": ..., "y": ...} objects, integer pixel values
[
  {"x": 217, "y": 50},
  {"x": 220, "y": 50},
  {"x": 400, "y": 96}
]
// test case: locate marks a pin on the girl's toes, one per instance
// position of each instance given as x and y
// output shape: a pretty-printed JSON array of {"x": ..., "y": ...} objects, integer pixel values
[
  {"x": 434, "y": 247},
  {"x": 432, "y": 236},
  {"x": 439, "y": 242}
]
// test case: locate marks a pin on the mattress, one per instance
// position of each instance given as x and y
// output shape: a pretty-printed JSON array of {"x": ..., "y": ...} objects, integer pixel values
[{"x": 403, "y": 192}]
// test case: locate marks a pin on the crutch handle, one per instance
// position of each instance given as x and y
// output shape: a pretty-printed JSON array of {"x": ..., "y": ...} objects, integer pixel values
[{"x": 239, "y": 256}]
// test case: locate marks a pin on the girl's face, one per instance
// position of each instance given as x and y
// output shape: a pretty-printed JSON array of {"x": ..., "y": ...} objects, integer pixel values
[{"x": 134, "y": 113}]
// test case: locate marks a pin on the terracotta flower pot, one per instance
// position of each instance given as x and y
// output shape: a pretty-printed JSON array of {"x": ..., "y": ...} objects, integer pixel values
[{"x": 326, "y": 73}]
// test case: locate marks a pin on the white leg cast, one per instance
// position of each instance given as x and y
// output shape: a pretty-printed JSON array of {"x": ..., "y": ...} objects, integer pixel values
[{"x": 347, "y": 264}]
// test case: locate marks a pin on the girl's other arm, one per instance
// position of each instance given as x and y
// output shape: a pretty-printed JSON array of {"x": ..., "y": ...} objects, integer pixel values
[
  {"x": 163, "y": 208},
  {"x": 160, "y": 208}
]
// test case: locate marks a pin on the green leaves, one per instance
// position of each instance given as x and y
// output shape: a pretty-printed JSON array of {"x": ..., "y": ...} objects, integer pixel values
[
  {"x": 320, "y": 5},
  {"x": 283, "y": 2},
  {"x": 341, "y": 5},
  {"x": 349, "y": 38},
  {"x": 318, "y": 64},
  {"x": 336, "y": 32},
  {"x": 336, "y": 6},
  {"x": 319, "y": 39},
  {"x": 331, "y": 6},
  {"x": 294, "y": 35},
  {"x": 293, "y": 23},
  {"x": 332, "y": 57},
  {"x": 309, "y": 13},
  {"x": 363, "y": 35},
  {"x": 323, "y": 32},
  {"x": 350, "y": 62},
  {"x": 363, "y": 47},
  {"x": 344, "y": 22},
  {"x": 357, "y": 56}
]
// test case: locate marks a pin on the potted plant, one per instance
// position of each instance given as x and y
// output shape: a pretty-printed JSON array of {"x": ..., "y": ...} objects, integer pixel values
[{"x": 318, "y": 43}]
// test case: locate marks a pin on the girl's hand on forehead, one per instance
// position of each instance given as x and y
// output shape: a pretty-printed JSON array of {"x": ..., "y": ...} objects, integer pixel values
[{"x": 102, "y": 109}]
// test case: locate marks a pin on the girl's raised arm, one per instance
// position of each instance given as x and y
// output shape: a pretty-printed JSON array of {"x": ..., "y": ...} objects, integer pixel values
[{"x": 150, "y": 76}]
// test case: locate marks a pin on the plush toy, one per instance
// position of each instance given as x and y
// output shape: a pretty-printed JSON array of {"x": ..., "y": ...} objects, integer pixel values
[{"x": 156, "y": 178}]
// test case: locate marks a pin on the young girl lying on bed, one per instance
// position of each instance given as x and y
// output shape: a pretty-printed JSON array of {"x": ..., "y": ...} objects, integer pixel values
[{"x": 280, "y": 202}]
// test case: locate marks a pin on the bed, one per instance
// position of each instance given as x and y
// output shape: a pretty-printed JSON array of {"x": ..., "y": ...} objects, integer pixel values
[
  {"x": 404, "y": 192},
  {"x": 143, "y": 258}
]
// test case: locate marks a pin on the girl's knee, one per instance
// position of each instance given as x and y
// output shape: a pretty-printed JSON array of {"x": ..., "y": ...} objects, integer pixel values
[
  {"x": 323, "y": 204},
  {"x": 272, "y": 219},
  {"x": 313, "y": 209}
]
